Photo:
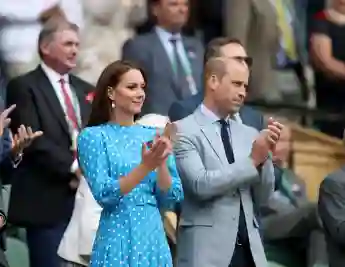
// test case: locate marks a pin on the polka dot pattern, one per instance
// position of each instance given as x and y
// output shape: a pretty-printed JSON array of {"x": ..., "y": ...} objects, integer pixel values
[{"x": 131, "y": 231}]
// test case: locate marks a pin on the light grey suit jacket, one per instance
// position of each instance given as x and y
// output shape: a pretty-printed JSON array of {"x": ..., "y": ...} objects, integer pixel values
[
  {"x": 210, "y": 211},
  {"x": 162, "y": 90}
]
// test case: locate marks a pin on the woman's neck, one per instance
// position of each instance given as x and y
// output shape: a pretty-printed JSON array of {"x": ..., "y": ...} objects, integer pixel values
[{"x": 122, "y": 119}]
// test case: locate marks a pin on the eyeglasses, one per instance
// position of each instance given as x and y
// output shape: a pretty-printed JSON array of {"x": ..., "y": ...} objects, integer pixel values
[{"x": 247, "y": 60}]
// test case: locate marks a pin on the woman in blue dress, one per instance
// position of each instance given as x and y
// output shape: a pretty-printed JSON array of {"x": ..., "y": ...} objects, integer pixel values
[{"x": 131, "y": 173}]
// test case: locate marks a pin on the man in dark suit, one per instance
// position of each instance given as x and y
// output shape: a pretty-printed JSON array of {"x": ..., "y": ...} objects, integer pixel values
[
  {"x": 172, "y": 62},
  {"x": 219, "y": 47},
  {"x": 53, "y": 101},
  {"x": 331, "y": 208}
]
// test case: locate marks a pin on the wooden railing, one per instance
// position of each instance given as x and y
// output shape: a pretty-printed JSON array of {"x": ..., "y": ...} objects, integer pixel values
[{"x": 314, "y": 156}]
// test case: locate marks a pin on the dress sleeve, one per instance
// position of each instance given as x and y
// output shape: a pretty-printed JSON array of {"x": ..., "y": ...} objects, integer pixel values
[
  {"x": 168, "y": 199},
  {"x": 320, "y": 25},
  {"x": 95, "y": 167}
]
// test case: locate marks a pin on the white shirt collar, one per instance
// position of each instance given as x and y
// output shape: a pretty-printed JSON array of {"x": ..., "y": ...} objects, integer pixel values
[
  {"x": 165, "y": 35},
  {"x": 52, "y": 75},
  {"x": 210, "y": 114}
]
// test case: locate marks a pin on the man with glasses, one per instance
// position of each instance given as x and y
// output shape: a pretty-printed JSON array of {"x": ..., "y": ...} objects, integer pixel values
[{"x": 220, "y": 47}]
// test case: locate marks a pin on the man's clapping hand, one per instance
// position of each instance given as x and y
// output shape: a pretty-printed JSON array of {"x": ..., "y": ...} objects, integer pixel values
[
  {"x": 23, "y": 138},
  {"x": 158, "y": 153},
  {"x": 4, "y": 119},
  {"x": 266, "y": 141}
]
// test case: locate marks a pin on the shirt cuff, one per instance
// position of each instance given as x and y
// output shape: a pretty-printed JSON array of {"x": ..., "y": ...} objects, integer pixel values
[{"x": 75, "y": 166}]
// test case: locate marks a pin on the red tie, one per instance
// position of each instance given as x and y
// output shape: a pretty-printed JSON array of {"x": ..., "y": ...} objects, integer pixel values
[{"x": 69, "y": 106}]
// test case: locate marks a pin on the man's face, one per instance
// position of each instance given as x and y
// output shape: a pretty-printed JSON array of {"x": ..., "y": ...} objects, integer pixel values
[
  {"x": 63, "y": 49},
  {"x": 232, "y": 88},
  {"x": 172, "y": 13}
]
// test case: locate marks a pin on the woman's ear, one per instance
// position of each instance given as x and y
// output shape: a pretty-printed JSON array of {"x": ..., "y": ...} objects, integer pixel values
[{"x": 111, "y": 93}]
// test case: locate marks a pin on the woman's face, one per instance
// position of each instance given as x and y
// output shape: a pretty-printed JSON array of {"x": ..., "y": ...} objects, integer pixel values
[{"x": 129, "y": 95}]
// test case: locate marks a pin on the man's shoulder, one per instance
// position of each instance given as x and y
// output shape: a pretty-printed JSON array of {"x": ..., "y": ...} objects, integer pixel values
[
  {"x": 186, "y": 124},
  {"x": 336, "y": 177},
  {"x": 140, "y": 40},
  {"x": 84, "y": 85},
  {"x": 23, "y": 80}
]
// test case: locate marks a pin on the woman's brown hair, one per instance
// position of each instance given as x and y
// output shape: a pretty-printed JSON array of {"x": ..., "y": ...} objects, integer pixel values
[{"x": 110, "y": 77}]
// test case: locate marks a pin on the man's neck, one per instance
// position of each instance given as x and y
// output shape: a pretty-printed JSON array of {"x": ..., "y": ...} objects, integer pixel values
[{"x": 169, "y": 29}]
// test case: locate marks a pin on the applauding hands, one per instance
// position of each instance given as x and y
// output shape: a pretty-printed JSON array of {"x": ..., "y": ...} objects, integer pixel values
[
  {"x": 4, "y": 119},
  {"x": 23, "y": 138},
  {"x": 154, "y": 155},
  {"x": 266, "y": 142}
]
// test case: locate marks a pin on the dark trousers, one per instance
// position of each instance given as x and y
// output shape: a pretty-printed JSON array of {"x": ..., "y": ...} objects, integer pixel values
[{"x": 43, "y": 244}]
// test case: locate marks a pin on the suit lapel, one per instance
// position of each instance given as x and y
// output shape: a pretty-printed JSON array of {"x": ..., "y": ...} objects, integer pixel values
[
  {"x": 161, "y": 57},
  {"x": 208, "y": 128},
  {"x": 50, "y": 96},
  {"x": 189, "y": 48},
  {"x": 83, "y": 105}
]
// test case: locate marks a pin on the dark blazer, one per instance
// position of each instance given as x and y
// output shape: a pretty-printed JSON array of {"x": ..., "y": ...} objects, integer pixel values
[
  {"x": 40, "y": 194},
  {"x": 182, "y": 109},
  {"x": 331, "y": 206},
  {"x": 148, "y": 51}
]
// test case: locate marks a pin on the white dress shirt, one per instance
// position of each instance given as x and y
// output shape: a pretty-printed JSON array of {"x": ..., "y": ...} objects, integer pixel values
[{"x": 54, "y": 79}]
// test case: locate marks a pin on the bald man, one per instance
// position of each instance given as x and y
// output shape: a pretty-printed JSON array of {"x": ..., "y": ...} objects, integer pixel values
[{"x": 220, "y": 160}]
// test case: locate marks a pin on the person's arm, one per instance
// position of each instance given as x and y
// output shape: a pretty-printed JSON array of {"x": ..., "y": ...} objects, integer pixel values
[
  {"x": 206, "y": 184},
  {"x": 331, "y": 206},
  {"x": 168, "y": 197},
  {"x": 265, "y": 188},
  {"x": 321, "y": 51},
  {"x": 107, "y": 188}
]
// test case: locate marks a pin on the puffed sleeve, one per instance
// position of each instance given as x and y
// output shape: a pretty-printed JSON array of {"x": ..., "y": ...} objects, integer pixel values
[
  {"x": 95, "y": 167},
  {"x": 168, "y": 199}
]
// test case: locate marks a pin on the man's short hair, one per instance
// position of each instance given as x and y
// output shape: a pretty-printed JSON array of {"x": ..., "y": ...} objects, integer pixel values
[
  {"x": 213, "y": 48},
  {"x": 215, "y": 66},
  {"x": 51, "y": 27}
]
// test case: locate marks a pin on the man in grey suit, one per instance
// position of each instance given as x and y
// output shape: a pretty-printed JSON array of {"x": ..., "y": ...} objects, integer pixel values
[
  {"x": 331, "y": 208},
  {"x": 173, "y": 63},
  {"x": 220, "y": 160}
]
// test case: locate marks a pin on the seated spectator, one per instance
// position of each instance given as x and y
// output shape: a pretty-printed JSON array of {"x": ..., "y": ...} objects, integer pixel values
[
  {"x": 328, "y": 56},
  {"x": 332, "y": 213},
  {"x": 291, "y": 222}
]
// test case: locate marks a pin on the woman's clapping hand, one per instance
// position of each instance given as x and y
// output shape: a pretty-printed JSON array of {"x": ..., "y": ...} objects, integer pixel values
[{"x": 158, "y": 153}]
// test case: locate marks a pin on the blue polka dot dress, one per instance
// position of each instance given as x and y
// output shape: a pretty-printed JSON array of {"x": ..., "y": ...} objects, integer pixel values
[{"x": 130, "y": 230}]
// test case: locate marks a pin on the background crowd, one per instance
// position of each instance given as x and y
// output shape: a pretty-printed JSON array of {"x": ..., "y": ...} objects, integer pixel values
[{"x": 295, "y": 50}]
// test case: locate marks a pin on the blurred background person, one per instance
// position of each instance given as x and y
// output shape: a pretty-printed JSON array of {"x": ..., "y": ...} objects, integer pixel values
[
  {"x": 328, "y": 57},
  {"x": 331, "y": 207},
  {"x": 172, "y": 61}
]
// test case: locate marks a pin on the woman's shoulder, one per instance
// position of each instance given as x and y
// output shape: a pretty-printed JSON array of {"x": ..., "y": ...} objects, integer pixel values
[{"x": 90, "y": 133}]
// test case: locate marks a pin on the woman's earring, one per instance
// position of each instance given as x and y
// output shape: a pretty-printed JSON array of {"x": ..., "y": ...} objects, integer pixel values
[{"x": 112, "y": 105}]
